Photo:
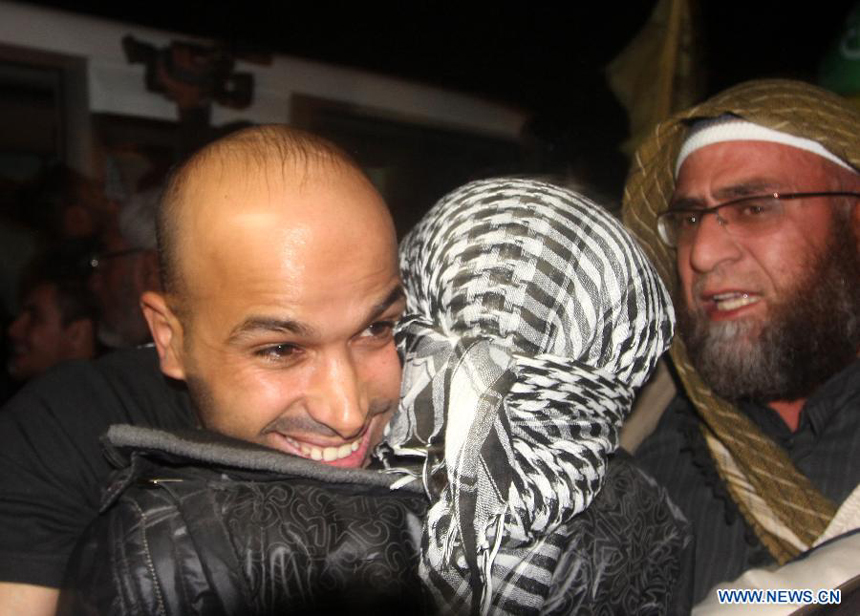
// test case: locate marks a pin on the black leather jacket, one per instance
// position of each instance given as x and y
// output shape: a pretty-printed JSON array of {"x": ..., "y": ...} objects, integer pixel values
[
  {"x": 241, "y": 530},
  {"x": 200, "y": 524}
]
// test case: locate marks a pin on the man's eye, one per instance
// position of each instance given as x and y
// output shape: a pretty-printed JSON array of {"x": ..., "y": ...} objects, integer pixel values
[
  {"x": 685, "y": 220},
  {"x": 755, "y": 209},
  {"x": 380, "y": 329},
  {"x": 277, "y": 352}
]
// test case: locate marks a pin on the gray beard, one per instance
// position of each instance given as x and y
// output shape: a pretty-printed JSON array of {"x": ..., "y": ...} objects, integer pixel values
[{"x": 812, "y": 333}]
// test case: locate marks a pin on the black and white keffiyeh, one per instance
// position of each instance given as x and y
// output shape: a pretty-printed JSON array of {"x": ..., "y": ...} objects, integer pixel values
[{"x": 532, "y": 317}]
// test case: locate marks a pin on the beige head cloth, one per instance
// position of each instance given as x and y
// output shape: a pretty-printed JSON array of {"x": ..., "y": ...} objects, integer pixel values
[{"x": 786, "y": 511}]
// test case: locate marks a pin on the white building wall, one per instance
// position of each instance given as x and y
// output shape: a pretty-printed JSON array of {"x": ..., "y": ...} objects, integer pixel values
[{"x": 115, "y": 86}]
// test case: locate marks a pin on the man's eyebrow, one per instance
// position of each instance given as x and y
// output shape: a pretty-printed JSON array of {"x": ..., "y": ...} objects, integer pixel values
[
  {"x": 686, "y": 203},
  {"x": 396, "y": 294},
  {"x": 262, "y": 324},
  {"x": 748, "y": 188}
]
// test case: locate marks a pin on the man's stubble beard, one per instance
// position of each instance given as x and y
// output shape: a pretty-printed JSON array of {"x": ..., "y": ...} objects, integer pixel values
[{"x": 812, "y": 333}]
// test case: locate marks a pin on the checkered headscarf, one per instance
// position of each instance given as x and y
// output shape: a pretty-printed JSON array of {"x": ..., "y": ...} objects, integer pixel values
[{"x": 532, "y": 316}]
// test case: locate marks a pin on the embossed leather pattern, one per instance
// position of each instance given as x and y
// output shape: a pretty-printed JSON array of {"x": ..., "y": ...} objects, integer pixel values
[
  {"x": 186, "y": 541},
  {"x": 630, "y": 553}
]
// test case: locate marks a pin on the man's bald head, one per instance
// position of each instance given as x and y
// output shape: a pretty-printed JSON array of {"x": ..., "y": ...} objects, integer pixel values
[
  {"x": 291, "y": 153},
  {"x": 283, "y": 288}
]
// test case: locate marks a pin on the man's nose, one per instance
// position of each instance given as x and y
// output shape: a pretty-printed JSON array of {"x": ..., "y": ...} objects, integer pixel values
[
  {"x": 338, "y": 400},
  {"x": 712, "y": 245}
]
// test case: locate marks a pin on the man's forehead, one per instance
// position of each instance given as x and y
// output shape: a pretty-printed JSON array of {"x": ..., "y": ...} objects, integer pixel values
[
  {"x": 241, "y": 169},
  {"x": 245, "y": 219},
  {"x": 291, "y": 238},
  {"x": 304, "y": 193}
]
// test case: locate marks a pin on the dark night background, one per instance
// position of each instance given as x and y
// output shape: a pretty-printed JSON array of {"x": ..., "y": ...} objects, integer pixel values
[
  {"x": 546, "y": 58},
  {"x": 539, "y": 56}
]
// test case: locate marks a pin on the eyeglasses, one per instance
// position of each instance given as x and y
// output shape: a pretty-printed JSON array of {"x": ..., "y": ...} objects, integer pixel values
[
  {"x": 97, "y": 260},
  {"x": 744, "y": 217}
]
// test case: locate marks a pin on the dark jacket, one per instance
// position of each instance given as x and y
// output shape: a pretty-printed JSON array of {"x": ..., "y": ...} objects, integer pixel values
[
  {"x": 200, "y": 524},
  {"x": 205, "y": 525}
]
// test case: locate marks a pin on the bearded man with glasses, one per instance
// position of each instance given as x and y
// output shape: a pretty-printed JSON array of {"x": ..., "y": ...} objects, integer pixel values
[
  {"x": 748, "y": 205},
  {"x": 126, "y": 268}
]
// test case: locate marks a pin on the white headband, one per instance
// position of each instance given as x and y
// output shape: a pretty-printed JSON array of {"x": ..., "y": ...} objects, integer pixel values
[{"x": 730, "y": 128}]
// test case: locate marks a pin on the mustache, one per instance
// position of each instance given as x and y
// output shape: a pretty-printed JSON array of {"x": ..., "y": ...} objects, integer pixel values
[{"x": 305, "y": 424}]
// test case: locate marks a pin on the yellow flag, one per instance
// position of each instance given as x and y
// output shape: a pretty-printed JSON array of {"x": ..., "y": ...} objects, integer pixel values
[{"x": 657, "y": 74}]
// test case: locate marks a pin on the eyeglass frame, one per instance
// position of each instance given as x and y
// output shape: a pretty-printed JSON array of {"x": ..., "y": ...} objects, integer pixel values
[
  {"x": 95, "y": 261},
  {"x": 704, "y": 211}
]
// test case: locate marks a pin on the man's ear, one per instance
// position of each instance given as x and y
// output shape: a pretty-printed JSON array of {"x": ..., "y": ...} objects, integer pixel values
[{"x": 166, "y": 332}]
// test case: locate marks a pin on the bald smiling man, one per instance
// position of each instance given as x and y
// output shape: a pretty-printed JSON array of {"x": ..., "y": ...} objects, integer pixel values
[
  {"x": 281, "y": 293},
  {"x": 280, "y": 319}
]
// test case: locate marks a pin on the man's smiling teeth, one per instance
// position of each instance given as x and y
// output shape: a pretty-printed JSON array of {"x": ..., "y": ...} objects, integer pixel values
[
  {"x": 325, "y": 454},
  {"x": 733, "y": 301}
]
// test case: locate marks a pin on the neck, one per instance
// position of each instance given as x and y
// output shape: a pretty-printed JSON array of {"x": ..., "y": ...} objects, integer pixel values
[{"x": 789, "y": 411}]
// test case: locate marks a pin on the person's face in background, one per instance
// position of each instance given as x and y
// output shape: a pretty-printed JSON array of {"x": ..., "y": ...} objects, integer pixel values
[
  {"x": 121, "y": 273},
  {"x": 84, "y": 212},
  {"x": 38, "y": 337}
]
